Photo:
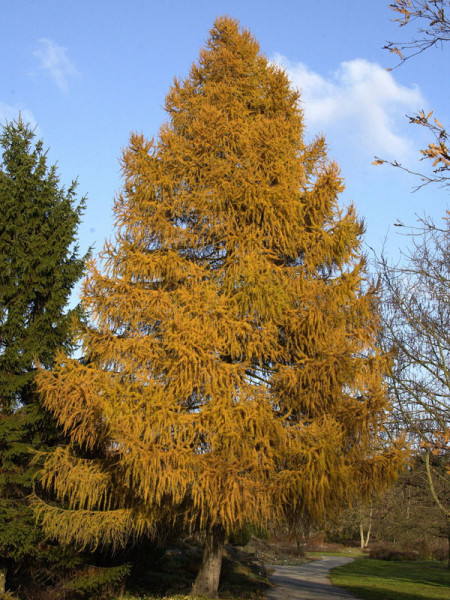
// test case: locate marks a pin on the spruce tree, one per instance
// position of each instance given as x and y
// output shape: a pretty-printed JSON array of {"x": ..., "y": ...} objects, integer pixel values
[
  {"x": 232, "y": 371},
  {"x": 39, "y": 267}
]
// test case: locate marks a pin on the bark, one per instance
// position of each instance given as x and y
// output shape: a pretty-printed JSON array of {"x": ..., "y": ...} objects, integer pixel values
[
  {"x": 207, "y": 581},
  {"x": 2, "y": 581},
  {"x": 361, "y": 534},
  {"x": 303, "y": 533}
]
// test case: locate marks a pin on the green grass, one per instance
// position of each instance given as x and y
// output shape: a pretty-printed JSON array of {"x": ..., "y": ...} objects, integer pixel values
[{"x": 370, "y": 579}]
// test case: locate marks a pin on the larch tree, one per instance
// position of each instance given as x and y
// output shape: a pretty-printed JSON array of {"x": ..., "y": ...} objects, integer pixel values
[
  {"x": 231, "y": 369},
  {"x": 39, "y": 267}
]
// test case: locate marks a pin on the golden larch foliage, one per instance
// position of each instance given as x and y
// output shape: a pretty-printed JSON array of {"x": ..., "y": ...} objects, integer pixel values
[{"x": 231, "y": 369}]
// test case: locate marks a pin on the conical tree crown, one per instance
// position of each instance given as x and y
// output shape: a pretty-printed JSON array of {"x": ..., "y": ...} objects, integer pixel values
[
  {"x": 39, "y": 262},
  {"x": 231, "y": 362}
]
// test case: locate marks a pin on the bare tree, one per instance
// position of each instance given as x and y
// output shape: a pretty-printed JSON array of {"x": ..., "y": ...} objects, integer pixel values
[
  {"x": 432, "y": 20},
  {"x": 433, "y": 26},
  {"x": 417, "y": 332}
]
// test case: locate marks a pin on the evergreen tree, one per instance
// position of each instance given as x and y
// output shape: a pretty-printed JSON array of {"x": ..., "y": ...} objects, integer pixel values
[
  {"x": 39, "y": 263},
  {"x": 232, "y": 371},
  {"x": 39, "y": 266}
]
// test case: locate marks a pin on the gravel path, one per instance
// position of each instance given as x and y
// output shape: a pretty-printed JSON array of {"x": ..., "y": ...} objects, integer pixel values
[{"x": 307, "y": 582}]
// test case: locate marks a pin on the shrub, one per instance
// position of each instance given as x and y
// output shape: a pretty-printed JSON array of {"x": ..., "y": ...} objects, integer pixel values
[
  {"x": 242, "y": 535},
  {"x": 388, "y": 552}
]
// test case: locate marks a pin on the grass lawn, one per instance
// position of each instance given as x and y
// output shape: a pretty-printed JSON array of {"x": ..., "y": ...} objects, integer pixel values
[{"x": 370, "y": 579}]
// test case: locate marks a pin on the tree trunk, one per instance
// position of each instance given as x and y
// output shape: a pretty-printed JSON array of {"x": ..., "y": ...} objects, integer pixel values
[
  {"x": 365, "y": 542},
  {"x": 207, "y": 581},
  {"x": 303, "y": 531},
  {"x": 361, "y": 534}
]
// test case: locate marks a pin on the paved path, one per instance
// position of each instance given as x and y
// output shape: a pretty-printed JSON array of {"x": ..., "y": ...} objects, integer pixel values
[{"x": 308, "y": 581}]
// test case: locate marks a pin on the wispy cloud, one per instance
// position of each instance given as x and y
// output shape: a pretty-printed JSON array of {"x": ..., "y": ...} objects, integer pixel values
[
  {"x": 11, "y": 113},
  {"x": 55, "y": 62},
  {"x": 361, "y": 99}
]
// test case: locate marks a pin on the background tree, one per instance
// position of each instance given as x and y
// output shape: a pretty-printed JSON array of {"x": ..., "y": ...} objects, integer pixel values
[
  {"x": 39, "y": 267},
  {"x": 417, "y": 317},
  {"x": 407, "y": 515},
  {"x": 231, "y": 369},
  {"x": 404, "y": 517},
  {"x": 417, "y": 329},
  {"x": 39, "y": 263}
]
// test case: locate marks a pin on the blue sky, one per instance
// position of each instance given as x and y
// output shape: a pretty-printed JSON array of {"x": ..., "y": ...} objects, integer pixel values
[{"x": 87, "y": 73}]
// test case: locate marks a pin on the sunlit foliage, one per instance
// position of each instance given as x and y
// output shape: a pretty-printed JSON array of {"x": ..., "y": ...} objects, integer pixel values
[{"x": 231, "y": 369}]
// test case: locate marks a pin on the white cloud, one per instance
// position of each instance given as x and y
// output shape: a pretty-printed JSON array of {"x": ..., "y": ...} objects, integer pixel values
[
  {"x": 11, "y": 113},
  {"x": 361, "y": 99},
  {"x": 55, "y": 63}
]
